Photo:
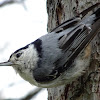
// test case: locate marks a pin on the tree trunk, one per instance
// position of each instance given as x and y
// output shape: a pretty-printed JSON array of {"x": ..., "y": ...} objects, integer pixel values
[{"x": 87, "y": 87}]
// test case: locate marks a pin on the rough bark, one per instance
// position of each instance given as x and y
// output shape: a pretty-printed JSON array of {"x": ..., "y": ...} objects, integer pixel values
[{"x": 59, "y": 11}]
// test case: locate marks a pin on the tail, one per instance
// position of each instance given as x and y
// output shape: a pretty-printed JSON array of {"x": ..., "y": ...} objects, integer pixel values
[
  {"x": 97, "y": 14},
  {"x": 90, "y": 20}
]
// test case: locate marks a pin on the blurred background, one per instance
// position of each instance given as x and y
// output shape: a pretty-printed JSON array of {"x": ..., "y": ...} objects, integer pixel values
[{"x": 21, "y": 22}]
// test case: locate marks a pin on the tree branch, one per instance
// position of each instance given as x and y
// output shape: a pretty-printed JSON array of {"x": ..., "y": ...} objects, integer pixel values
[{"x": 6, "y": 2}]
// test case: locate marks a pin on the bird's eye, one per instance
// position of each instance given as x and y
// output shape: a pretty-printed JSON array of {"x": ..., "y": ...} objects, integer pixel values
[{"x": 18, "y": 55}]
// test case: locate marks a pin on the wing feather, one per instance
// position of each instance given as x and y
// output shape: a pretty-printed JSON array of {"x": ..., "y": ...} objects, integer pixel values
[
  {"x": 71, "y": 44},
  {"x": 67, "y": 24},
  {"x": 75, "y": 47}
]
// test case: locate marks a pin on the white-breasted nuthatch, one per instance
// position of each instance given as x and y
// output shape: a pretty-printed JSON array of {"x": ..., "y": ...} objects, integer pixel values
[{"x": 59, "y": 57}]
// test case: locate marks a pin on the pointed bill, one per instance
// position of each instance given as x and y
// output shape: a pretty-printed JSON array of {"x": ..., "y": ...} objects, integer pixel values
[{"x": 8, "y": 63}]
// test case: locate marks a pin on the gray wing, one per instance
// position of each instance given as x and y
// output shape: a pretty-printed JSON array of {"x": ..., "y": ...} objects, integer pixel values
[{"x": 73, "y": 46}]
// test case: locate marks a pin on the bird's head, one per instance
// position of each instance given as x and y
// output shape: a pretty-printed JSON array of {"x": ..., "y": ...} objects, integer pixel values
[{"x": 24, "y": 58}]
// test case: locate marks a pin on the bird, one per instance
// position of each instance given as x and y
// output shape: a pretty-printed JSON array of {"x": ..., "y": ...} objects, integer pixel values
[{"x": 59, "y": 57}]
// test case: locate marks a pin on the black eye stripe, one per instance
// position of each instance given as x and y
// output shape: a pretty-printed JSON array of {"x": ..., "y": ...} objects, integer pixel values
[{"x": 18, "y": 55}]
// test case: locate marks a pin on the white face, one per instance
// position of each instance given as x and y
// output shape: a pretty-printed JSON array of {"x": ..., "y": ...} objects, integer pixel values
[
  {"x": 24, "y": 59},
  {"x": 17, "y": 60}
]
